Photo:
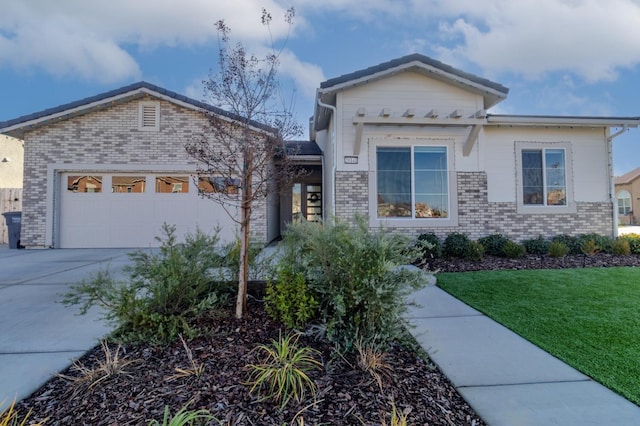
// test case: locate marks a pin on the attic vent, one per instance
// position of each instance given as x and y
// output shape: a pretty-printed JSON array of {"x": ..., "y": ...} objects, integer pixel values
[{"x": 149, "y": 116}]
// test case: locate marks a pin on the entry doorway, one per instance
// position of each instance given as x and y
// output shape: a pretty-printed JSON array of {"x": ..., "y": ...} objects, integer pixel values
[{"x": 306, "y": 202}]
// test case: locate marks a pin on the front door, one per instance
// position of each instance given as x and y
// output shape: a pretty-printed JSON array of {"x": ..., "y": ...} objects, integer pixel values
[{"x": 306, "y": 202}]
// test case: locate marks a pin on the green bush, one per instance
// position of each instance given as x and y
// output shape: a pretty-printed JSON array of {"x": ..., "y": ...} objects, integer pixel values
[
  {"x": 355, "y": 273},
  {"x": 589, "y": 247},
  {"x": 634, "y": 242},
  {"x": 474, "y": 251},
  {"x": 289, "y": 299},
  {"x": 621, "y": 246},
  {"x": 558, "y": 249},
  {"x": 572, "y": 243},
  {"x": 430, "y": 245},
  {"x": 537, "y": 245},
  {"x": 603, "y": 243},
  {"x": 166, "y": 291},
  {"x": 513, "y": 250},
  {"x": 455, "y": 245},
  {"x": 493, "y": 244}
]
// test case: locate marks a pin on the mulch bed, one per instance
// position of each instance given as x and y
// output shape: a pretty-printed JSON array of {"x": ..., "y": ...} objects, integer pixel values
[
  {"x": 599, "y": 260},
  {"x": 345, "y": 396}
]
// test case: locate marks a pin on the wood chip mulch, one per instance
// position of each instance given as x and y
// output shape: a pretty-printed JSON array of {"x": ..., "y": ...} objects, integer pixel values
[{"x": 149, "y": 381}]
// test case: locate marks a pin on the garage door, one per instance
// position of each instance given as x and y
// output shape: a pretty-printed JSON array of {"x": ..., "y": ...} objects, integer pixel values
[{"x": 128, "y": 209}]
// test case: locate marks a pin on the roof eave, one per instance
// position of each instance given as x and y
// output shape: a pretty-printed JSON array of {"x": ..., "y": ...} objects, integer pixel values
[{"x": 561, "y": 121}]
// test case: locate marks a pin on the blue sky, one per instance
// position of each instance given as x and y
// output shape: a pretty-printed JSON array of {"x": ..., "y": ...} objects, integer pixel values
[{"x": 557, "y": 57}]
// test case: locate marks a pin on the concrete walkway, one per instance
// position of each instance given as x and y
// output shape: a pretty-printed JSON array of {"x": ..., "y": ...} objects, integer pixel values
[
  {"x": 507, "y": 380},
  {"x": 38, "y": 336}
]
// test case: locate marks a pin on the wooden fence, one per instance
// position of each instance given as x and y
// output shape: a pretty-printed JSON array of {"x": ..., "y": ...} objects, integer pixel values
[{"x": 10, "y": 201}]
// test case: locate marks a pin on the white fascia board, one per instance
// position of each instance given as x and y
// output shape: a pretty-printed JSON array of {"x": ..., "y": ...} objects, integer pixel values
[
  {"x": 413, "y": 64},
  {"x": 558, "y": 121}
]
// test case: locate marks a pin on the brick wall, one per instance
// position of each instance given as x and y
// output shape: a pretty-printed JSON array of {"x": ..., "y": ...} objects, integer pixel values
[
  {"x": 106, "y": 136},
  {"x": 477, "y": 217}
]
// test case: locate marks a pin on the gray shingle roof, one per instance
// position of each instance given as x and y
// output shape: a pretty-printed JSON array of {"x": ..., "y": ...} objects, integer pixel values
[{"x": 302, "y": 148}]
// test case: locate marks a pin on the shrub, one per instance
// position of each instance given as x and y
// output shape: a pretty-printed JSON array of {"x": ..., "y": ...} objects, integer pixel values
[
  {"x": 430, "y": 245},
  {"x": 474, "y": 251},
  {"x": 634, "y": 242},
  {"x": 572, "y": 243},
  {"x": 356, "y": 275},
  {"x": 589, "y": 247},
  {"x": 603, "y": 243},
  {"x": 455, "y": 245},
  {"x": 493, "y": 244},
  {"x": 290, "y": 300},
  {"x": 621, "y": 246},
  {"x": 558, "y": 249},
  {"x": 537, "y": 245},
  {"x": 513, "y": 250},
  {"x": 282, "y": 370},
  {"x": 167, "y": 290}
]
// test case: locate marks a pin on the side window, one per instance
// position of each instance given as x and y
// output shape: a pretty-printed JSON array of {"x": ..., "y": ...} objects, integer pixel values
[
  {"x": 543, "y": 177},
  {"x": 624, "y": 202},
  {"x": 544, "y": 181}
]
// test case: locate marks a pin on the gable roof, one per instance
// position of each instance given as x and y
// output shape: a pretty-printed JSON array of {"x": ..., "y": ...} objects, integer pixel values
[
  {"x": 491, "y": 92},
  {"x": 17, "y": 126},
  {"x": 628, "y": 177}
]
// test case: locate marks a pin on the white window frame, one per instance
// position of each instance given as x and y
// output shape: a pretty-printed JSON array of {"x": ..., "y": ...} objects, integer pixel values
[
  {"x": 618, "y": 198},
  {"x": 410, "y": 222},
  {"x": 141, "y": 107},
  {"x": 570, "y": 206}
]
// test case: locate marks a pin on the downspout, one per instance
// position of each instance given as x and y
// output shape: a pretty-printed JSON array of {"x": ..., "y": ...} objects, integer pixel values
[
  {"x": 612, "y": 189},
  {"x": 334, "y": 148}
]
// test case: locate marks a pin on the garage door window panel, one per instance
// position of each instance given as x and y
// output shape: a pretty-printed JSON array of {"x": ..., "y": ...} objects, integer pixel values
[
  {"x": 84, "y": 184},
  {"x": 172, "y": 184},
  {"x": 128, "y": 184}
]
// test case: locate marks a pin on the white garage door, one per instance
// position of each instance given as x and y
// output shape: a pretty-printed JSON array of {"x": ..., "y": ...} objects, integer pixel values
[{"x": 128, "y": 209}]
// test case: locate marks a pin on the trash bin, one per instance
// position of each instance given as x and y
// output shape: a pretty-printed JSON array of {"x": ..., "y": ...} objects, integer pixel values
[{"x": 14, "y": 220}]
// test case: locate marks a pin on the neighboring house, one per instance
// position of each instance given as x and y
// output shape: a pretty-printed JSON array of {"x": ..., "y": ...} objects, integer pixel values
[
  {"x": 408, "y": 144},
  {"x": 628, "y": 196},
  {"x": 11, "y": 168}
]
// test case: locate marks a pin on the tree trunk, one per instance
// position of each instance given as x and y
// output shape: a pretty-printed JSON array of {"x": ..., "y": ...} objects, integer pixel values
[{"x": 245, "y": 231}]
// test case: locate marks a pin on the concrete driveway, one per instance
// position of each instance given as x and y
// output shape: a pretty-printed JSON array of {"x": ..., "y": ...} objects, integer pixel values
[{"x": 39, "y": 336}]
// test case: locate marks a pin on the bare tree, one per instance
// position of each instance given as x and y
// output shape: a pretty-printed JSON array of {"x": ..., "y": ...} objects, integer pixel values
[{"x": 241, "y": 152}]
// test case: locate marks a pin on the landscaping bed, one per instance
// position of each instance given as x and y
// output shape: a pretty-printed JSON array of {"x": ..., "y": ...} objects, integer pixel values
[
  {"x": 491, "y": 263},
  {"x": 345, "y": 394}
]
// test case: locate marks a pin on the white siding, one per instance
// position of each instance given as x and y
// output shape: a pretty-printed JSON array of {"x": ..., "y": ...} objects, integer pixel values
[
  {"x": 399, "y": 93},
  {"x": 589, "y": 168}
]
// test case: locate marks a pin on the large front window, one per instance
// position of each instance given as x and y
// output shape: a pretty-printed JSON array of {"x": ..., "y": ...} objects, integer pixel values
[
  {"x": 412, "y": 182},
  {"x": 543, "y": 177}
]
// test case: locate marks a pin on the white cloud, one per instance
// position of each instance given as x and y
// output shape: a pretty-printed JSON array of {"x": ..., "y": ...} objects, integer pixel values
[{"x": 90, "y": 39}]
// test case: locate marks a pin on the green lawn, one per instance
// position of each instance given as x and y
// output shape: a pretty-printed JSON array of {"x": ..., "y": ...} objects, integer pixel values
[{"x": 590, "y": 318}]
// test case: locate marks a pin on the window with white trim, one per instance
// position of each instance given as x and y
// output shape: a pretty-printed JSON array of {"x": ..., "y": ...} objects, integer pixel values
[
  {"x": 412, "y": 182},
  {"x": 624, "y": 202},
  {"x": 544, "y": 180},
  {"x": 544, "y": 177}
]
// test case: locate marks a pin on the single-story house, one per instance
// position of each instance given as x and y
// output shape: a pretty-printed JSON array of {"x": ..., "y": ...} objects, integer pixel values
[
  {"x": 408, "y": 144},
  {"x": 628, "y": 196}
]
